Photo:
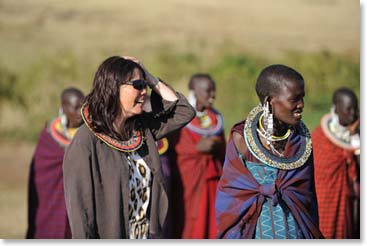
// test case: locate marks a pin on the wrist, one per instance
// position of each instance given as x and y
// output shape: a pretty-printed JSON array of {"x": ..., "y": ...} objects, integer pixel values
[{"x": 153, "y": 82}]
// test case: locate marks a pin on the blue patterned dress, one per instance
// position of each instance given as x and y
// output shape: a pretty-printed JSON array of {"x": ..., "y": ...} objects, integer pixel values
[{"x": 275, "y": 221}]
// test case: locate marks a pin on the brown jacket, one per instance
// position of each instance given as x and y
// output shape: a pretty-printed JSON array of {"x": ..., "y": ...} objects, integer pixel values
[{"x": 96, "y": 176}]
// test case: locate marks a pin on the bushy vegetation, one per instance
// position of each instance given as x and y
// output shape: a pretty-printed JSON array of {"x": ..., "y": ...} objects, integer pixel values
[
  {"x": 49, "y": 45},
  {"x": 30, "y": 95}
]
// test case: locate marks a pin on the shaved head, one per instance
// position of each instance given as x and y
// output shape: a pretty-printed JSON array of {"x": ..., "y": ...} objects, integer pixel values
[
  {"x": 275, "y": 77},
  {"x": 200, "y": 78},
  {"x": 341, "y": 93},
  {"x": 70, "y": 92},
  {"x": 203, "y": 86},
  {"x": 71, "y": 102},
  {"x": 346, "y": 105}
]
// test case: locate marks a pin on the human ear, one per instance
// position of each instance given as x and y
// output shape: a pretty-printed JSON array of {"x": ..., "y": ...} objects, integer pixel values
[{"x": 266, "y": 99}]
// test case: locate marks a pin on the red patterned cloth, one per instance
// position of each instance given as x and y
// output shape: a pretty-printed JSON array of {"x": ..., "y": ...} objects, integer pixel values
[
  {"x": 47, "y": 218},
  {"x": 195, "y": 178},
  {"x": 335, "y": 170}
]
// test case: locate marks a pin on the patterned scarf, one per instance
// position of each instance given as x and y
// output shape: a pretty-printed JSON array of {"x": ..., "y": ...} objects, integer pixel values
[{"x": 240, "y": 197}]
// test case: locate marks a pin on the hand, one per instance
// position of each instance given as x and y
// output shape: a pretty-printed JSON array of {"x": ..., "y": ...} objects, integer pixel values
[
  {"x": 152, "y": 81},
  {"x": 207, "y": 144}
]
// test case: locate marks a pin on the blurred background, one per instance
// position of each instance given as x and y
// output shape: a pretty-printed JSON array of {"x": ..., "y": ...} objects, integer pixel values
[{"x": 47, "y": 45}]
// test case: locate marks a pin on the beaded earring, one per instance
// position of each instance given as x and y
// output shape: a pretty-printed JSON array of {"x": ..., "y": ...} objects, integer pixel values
[
  {"x": 192, "y": 98},
  {"x": 64, "y": 120},
  {"x": 268, "y": 122}
]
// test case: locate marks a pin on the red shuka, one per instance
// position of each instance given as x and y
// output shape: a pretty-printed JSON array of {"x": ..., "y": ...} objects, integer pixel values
[
  {"x": 335, "y": 170},
  {"x": 47, "y": 218},
  {"x": 195, "y": 178}
]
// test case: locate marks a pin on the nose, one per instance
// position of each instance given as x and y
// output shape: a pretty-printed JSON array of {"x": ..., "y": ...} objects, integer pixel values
[
  {"x": 301, "y": 104},
  {"x": 143, "y": 91}
]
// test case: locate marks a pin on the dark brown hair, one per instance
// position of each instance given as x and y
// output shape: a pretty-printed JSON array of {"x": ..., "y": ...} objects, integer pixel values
[{"x": 104, "y": 99}]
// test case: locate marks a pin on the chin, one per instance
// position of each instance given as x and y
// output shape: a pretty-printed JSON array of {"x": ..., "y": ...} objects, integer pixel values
[
  {"x": 76, "y": 124},
  {"x": 296, "y": 122},
  {"x": 138, "y": 111},
  {"x": 79, "y": 124}
]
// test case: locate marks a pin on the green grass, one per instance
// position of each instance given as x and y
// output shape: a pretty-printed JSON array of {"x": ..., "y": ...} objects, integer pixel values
[
  {"x": 46, "y": 45},
  {"x": 33, "y": 93}
]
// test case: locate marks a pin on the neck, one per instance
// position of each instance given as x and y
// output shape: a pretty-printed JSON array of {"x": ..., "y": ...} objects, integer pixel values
[
  {"x": 200, "y": 108},
  {"x": 118, "y": 122},
  {"x": 280, "y": 128},
  {"x": 71, "y": 126}
]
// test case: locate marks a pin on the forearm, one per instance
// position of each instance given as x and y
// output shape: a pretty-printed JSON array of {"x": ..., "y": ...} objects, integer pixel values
[
  {"x": 169, "y": 116},
  {"x": 166, "y": 92}
]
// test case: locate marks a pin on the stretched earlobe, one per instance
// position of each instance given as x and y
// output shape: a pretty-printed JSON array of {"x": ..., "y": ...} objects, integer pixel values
[
  {"x": 268, "y": 100},
  {"x": 268, "y": 121},
  {"x": 192, "y": 98},
  {"x": 62, "y": 115}
]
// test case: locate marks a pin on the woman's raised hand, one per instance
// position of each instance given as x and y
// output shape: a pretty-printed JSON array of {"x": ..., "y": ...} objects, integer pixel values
[{"x": 152, "y": 81}]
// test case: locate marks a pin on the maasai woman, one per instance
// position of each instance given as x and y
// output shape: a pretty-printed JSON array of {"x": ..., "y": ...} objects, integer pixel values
[
  {"x": 199, "y": 150},
  {"x": 47, "y": 216},
  {"x": 114, "y": 185},
  {"x": 267, "y": 187},
  {"x": 336, "y": 151}
]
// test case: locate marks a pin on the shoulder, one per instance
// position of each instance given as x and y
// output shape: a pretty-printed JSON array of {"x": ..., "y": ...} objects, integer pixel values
[
  {"x": 215, "y": 111},
  {"x": 83, "y": 139},
  {"x": 45, "y": 133},
  {"x": 317, "y": 133},
  {"x": 84, "y": 134},
  {"x": 238, "y": 127},
  {"x": 237, "y": 137},
  {"x": 78, "y": 152},
  {"x": 317, "y": 129}
]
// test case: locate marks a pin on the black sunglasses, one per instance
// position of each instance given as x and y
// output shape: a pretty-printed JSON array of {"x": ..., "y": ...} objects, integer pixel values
[{"x": 138, "y": 84}]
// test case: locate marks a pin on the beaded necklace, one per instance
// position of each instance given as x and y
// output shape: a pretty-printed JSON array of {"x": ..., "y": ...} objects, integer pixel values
[
  {"x": 133, "y": 144},
  {"x": 272, "y": 138},
  {"x": 210, "y": 129},
  {"x": 300, "y": 132}
]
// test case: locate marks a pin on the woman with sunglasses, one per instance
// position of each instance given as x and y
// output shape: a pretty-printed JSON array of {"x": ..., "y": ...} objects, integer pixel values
[
  {"x": 114, "y": 186},
  {"x": 267, "y": 189}
]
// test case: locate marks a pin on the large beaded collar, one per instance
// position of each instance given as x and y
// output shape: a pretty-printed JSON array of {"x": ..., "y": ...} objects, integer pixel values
[
  {"x": 58, "y": 133},
  {"x": 325, "y": 126},
  {"x": 211, "y": 131},
  {"x": 258, "y": 150},
  {"x": 133, "y": 144}
]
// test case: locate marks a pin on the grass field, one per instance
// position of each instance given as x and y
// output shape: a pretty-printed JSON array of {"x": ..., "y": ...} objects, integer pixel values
[{"x": 47, "y": 45}]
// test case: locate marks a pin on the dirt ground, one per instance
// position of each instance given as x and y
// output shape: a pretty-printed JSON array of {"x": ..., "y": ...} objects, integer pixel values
[{"x": 14, "y": 166}]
